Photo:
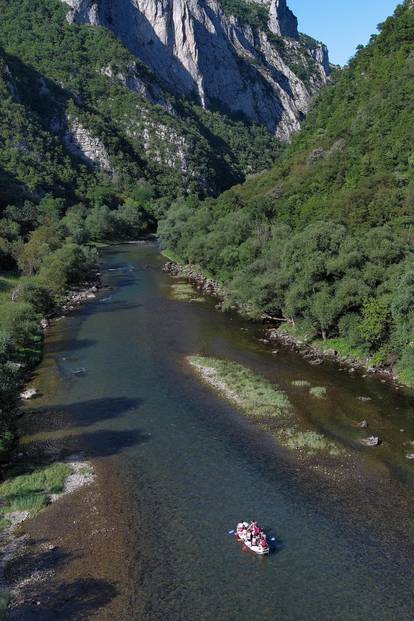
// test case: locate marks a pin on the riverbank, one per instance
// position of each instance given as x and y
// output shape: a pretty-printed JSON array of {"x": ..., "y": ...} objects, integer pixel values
[
  {"x": 276, "y": 333},
  {"x": 27, "y": 309},
  {"x": 32, "y": 483},
  {"x": 68, "y": 553},
  {"x": 25, "y": 496}
]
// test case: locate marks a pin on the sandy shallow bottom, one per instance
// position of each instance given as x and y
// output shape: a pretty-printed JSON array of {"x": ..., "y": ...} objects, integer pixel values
[{"x": 72, "y": 562}]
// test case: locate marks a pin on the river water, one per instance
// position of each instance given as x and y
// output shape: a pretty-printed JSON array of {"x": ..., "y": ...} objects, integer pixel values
[{"x": 192, "y": 466}]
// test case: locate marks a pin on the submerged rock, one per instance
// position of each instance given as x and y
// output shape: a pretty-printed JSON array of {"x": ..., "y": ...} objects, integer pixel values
[
  {"x": 372, "y": 441},
  {"x": 28, "y": 394}
]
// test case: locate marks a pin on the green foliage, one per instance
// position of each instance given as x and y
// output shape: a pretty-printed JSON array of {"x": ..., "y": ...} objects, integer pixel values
[
  {"x": 263, "y": 402},
  {"x": 59, "y": 264},
  {"x": 325, "y": 237},
  {"x": 405, "y": 366},
  {"x": 375, "y": 321},
  {"x": 255, "y": 15},
  {"x": 53, "y": 74},
  {"x": 30, "y": 492}
]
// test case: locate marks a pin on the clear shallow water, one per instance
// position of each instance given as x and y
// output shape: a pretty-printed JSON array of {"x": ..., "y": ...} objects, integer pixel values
[{"x": 192, "y": 467}]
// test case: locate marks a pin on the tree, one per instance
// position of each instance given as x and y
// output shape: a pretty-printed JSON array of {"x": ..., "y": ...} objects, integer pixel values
[
  {"x": 50, "y": 210},
  {"x": 375, "y": 323},
  {"x": 42, "y": 241},
  {"x": 36, "y": 294},
  {"x": 131, "y": 219},
  {"x": 323, "y": 311},
  {"x": 100, "y": 223},
  {"x": 74, "y": 226}
]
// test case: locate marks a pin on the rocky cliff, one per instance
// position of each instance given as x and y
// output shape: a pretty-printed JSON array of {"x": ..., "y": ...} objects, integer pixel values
[{"x": 245, "y": 58}]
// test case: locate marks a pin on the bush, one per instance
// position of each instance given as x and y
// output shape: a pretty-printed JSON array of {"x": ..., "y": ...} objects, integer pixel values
[
  {"x": 405, "y": 367},
  {"x": 37, "y": 295},
  {"x": 70, "y": 265}
]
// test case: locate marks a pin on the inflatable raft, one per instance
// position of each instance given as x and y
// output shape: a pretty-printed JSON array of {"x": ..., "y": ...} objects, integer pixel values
[{"x": 241, "y": 536}]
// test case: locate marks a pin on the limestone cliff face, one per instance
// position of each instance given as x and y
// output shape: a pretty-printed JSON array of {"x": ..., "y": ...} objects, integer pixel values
[
  {"x": 81, "y": 143},
  {"x": 197, "y": 49}
]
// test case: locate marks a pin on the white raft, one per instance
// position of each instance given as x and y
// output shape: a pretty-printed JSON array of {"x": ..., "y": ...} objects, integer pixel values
[{"x": 240, "y": 536}]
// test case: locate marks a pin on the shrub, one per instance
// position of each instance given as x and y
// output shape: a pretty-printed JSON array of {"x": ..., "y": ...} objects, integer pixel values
[{"x": 405, "y": 367}]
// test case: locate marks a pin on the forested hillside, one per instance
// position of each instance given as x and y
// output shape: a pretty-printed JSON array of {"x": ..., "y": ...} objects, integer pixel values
[{"x": 325, "y": 238}]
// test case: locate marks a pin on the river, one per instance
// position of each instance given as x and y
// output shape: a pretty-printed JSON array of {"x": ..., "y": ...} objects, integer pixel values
[{"x": 192, "y": 466}]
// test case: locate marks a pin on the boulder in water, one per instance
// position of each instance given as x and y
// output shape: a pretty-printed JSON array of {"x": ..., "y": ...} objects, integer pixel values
[
  {"x": 28, "y": 394},
  {"x": 371, "y": 441}
]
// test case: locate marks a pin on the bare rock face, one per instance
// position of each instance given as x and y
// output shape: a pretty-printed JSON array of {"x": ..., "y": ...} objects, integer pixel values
[
  {"x": 196, "y": 49},
  {"x": 282, "y": 21},
  {"x": 81, "y": 143}
]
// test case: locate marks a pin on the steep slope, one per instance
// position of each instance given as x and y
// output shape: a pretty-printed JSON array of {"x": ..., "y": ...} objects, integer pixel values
[
  {"x": 130, "y": 123},
  {"x": 107, "y": 111},
  {"x": 325, "y": 239},
  {"x": 238, "y": 56},
  {"x": 353, "y": 159}
]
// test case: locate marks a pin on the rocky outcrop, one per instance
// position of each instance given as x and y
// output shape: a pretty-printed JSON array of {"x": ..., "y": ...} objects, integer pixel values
[
  {"x": 196, "y": 49},
  {"x": 80, "y": 142},
  {"x": 133, "y": 81},
  {"x": 282, "y": 21},
  {"x": 321, "y": 56}
]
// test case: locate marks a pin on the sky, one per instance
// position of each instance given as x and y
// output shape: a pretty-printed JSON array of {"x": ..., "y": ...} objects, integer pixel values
[{"x": 341, "y": 24}]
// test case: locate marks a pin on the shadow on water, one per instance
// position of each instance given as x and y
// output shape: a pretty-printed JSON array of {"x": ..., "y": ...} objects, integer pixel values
[
  {"x": 112, "y": 307},
  {"x": 72, "y": 601},
  {"x": 96, "y": 444},
  {"x": 23, "y": 566},
  {"x": 83, "y": 413},
  {"x": 69, "y": 345}
]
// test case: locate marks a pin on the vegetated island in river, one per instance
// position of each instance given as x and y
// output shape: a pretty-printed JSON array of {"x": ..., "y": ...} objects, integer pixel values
[{"x": 266, "y": 405}]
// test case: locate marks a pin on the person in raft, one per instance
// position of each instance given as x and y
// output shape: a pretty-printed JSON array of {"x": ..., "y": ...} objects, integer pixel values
[{"x": 252, "y": 534}]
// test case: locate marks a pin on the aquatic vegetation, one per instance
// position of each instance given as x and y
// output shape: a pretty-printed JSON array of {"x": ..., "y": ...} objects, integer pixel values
[
  {"x": 31, "y": 492},
  {"x": 263, "y": 402},
  {"x": 185, "y": 293},
  {"x": 258, "y": 396},
  {"x": 300, "y": 383},
  {"x": 4, "y": 602},
  {"x": 310, "y": 441},
  {"x": 318, "y": 391}
]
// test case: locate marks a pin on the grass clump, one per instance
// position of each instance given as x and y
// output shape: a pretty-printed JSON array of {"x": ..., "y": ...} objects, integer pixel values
[
  {"x": 344, "y": 347},
  {"x": 318, "y": 391},
  {"x": 405, "y": 368},
  {"x": 300, "y": 383},
  {"x": 30, "y": 492},
  {"x": 310, "y": 441},
  {"x": 171, "y": 256},
  {"x": 257, "y": 396}
]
